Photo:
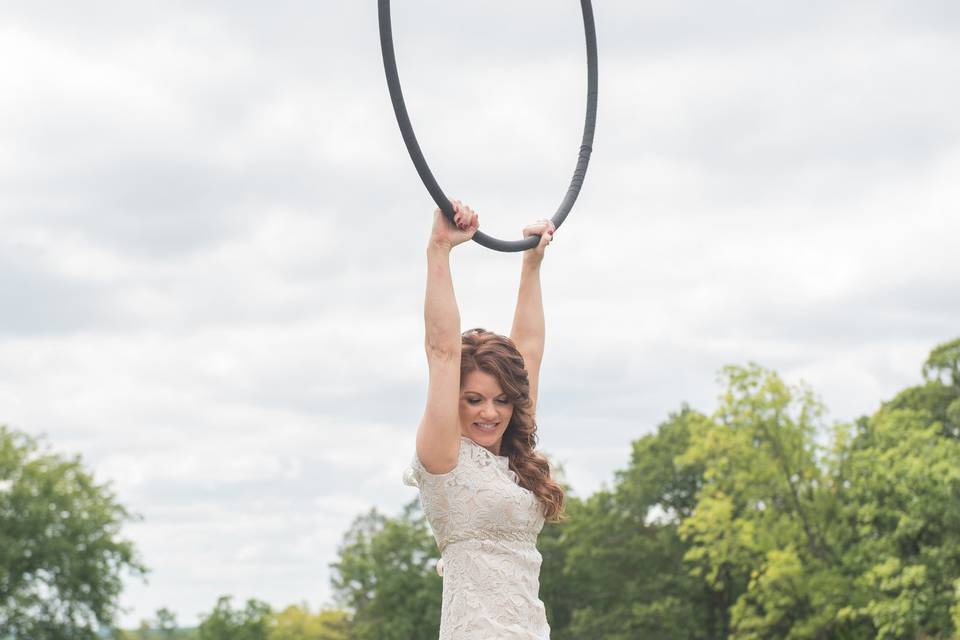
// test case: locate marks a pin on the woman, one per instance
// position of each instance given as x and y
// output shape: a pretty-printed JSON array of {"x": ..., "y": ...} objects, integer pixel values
[{"x": 484, "y": 490}]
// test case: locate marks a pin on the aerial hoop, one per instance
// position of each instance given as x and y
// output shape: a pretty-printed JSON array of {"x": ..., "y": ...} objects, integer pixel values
[{"x": 586, "y": 145}]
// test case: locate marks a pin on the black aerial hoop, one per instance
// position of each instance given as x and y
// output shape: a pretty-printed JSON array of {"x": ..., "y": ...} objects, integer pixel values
[{"x": 586, "y": 146}]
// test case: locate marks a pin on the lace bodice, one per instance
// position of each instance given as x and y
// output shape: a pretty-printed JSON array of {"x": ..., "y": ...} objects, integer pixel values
[{"x": 486, "y": 527}]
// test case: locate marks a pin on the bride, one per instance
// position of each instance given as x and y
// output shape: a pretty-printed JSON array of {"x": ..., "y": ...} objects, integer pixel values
[{"x": 485, "y": 491}]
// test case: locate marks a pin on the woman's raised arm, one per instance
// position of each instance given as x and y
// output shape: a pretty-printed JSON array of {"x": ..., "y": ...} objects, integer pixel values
[
  {"x": 438, "y": 436},
  {"x": 528, "y": 332}
]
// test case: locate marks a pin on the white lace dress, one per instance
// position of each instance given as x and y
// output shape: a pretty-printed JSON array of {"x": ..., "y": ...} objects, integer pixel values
[{"x": 486, "y": 527}]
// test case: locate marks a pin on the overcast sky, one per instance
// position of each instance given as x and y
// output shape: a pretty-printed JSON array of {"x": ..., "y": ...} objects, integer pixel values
[{"x": 212, "y": 240}]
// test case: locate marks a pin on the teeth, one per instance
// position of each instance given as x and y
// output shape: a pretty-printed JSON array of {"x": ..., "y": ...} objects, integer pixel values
[{"x": 486, "y": 426}]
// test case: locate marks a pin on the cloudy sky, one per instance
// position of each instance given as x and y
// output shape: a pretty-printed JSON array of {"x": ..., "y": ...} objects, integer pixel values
[{"x": 212, "y": 240}]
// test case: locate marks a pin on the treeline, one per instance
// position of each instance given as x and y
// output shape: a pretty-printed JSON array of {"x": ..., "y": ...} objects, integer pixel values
[
  {"x": 255, "y": 620},
  {"x": 755, "y": 521}
]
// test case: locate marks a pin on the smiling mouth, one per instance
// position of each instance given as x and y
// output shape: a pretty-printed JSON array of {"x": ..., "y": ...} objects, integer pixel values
[{"x": 483, "y": 428}]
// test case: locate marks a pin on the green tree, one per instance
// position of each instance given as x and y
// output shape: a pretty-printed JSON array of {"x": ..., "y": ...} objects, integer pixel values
[
  {"x": 60, "y": 554},
  {"x": 759, "y": 529},
  {"x": 253, "y": 622},
  {"x": 901, "y": 473},
  {"x": 859, "y": 539},
  {"x": 901, "y": 509},
  {"x": 166, "y": 623},
  {"x": 297, "y": 623},
  {"x": 386, "y": 574},
  {"x": 944, "y": 360},
  {"x": 622, "y": 554},
  {"x": 144, "y": 631},
  {"x": 940, "y": 394}
]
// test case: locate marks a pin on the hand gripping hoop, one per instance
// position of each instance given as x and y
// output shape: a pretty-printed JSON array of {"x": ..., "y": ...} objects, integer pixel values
[{"x": 586, "y": 145}]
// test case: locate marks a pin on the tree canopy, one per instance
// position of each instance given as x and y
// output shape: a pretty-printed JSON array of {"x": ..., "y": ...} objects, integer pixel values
[{"x": 61, "y": 555}]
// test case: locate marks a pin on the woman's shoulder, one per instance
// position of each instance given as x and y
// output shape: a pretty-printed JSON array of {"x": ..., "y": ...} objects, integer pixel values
[
  {"x": 417, "y": 475},
  {"x": 471, "y": 456}
]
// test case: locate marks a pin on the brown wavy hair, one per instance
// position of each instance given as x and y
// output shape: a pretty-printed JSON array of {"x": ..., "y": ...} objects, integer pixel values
[{"x": 499, "y": 357}]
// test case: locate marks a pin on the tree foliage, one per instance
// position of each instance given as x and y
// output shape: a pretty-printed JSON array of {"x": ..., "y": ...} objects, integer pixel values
[
  {"x": 252, "y": 622},
  {"x": 386, "y": 574},
  {"x": 622, "y": 552},
  {"x": 297, "y": 623},
  {"x": 61, "y": 556}
]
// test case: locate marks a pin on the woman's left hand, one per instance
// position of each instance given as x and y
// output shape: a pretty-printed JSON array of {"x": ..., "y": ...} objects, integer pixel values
[{"x": 545, "y": 228}]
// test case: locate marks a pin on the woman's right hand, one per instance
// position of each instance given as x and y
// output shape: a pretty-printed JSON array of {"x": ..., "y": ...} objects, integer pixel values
[{"x": 448, "y": 235}]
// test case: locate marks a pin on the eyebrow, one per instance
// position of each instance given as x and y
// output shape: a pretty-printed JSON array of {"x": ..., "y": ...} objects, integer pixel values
[{"x": 481, "y": 395}]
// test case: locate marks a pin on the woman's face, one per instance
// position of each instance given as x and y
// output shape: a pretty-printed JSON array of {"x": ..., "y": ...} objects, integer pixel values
[{"x": 483, "y": 403}]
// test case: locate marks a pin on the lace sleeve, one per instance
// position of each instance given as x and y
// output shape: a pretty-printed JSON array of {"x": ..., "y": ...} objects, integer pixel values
[
  {"x": 416, "y": 475},
  {"x": 411, "y": 475}
]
